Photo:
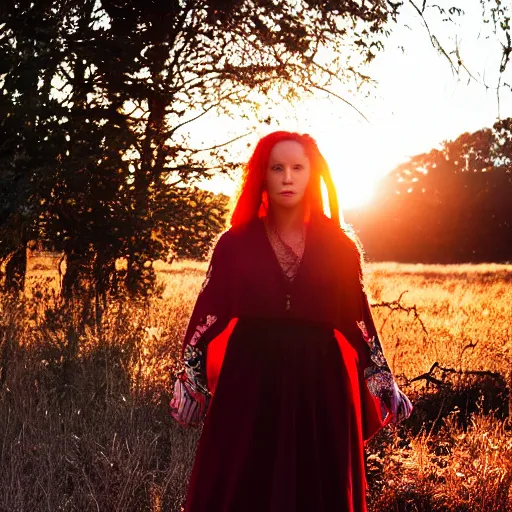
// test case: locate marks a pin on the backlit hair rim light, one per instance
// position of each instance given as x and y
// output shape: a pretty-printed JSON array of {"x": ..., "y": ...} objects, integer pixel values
[{"x": 252, "y": 200}]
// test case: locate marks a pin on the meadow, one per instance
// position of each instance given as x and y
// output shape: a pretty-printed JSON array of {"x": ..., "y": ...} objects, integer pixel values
[{"x": 84, "y": 419}]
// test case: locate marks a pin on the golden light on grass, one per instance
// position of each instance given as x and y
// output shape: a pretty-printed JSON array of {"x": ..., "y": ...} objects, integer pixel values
[{"x": 109, "y": 399}]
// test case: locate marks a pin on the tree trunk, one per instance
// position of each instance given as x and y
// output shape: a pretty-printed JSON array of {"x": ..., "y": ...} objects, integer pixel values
[
  {"x": 141, "y": 276},
  {"x": 77, "y": 278},
  {"x": 15, "y": 270},
  {"x": 104, "y": 274}
]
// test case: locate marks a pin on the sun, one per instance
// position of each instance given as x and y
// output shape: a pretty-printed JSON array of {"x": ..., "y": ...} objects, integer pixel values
[
  {"x": 354, "y": 191},
  {"x": 354, "y": 176},
  {"x": 359, "y": 157},
  {"x": 356, "y": 167}
]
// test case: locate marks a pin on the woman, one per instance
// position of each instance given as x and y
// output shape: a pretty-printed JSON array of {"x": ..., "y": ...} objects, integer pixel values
[{"x": 281, "y": 351}]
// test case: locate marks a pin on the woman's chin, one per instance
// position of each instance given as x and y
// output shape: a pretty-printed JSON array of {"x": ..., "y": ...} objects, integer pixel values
[{"x": 286, "y": 202}]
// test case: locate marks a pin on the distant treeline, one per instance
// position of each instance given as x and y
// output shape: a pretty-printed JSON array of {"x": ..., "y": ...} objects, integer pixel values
[{"x": 450, "y": 205}]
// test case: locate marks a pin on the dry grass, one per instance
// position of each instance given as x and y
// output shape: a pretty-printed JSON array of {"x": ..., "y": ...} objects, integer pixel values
[
  {"x": 466, "y": 311},
  {"x": 84, "y": 422},
  {"x": 455, "y": 452}
]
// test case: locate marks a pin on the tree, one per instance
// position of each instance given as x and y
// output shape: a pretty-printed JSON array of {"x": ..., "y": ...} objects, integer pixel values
[
  {"x": 125, "y": 79},
  {"x": 192, "y": 236},
  {"x": 449, "y": 205},
  {"x": 191, "y": 59},
  {"x": 27, "y": 140},
  {"x": 103, "y": 93}
]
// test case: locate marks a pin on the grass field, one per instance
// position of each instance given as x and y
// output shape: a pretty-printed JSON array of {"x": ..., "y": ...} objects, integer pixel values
[{"x": 84, "y": 420}]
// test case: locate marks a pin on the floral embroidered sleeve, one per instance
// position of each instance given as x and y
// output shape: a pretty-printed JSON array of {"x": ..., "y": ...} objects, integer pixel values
[
  {"x": 210, "y": 316},
  {"x": 378, "y": 375}
]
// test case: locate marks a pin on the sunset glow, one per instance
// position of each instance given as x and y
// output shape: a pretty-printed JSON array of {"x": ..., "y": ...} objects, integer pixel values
[
  {"x": 355, "y": 170},
  {"x": 418, "y": 103},
  {"x": 356, "y": 166}
]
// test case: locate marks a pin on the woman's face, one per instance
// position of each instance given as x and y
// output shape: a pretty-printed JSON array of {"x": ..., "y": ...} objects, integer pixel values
[{"x": 287, "y": 174}]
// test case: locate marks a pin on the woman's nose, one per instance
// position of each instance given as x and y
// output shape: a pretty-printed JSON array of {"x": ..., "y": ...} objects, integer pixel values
[{"x": 287, "y": 175}]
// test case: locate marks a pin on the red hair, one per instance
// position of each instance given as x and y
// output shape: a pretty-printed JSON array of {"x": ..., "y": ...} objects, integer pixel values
[{"x": 252, "y": 199}]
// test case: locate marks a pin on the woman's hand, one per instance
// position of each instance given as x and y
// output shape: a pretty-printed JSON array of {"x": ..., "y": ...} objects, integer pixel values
[
  {"x": 188, "y": 404},
  {"x": 399, "y": 406}
]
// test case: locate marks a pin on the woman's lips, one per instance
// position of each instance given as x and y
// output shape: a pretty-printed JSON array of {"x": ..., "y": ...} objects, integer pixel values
[{"x": 287, "y": 193}]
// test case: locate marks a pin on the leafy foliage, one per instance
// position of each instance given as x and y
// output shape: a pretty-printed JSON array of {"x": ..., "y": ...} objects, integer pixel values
[
  {"x": 449, "y": 205},
  {"x": 99, "y": 100}
]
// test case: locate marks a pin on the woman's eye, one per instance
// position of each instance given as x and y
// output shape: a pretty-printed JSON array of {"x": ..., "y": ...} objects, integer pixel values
[{"x": 298, "y": 167}]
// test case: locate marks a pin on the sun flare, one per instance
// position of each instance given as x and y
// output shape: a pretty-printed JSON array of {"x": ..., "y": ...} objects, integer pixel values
[
  {"x": 357, "y": 156},
  {"x": 355, "y": 181},
  {"x": 356, "y": 166}
]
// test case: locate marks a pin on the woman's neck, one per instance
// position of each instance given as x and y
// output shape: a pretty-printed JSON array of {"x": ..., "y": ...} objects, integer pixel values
[{"x": 287, "y": 220}]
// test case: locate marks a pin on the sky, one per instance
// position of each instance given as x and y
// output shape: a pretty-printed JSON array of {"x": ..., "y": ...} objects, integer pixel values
[{"x": 418, "y": 103}]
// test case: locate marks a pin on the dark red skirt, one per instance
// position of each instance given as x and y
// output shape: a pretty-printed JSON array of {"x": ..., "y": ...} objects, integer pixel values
[{"x": 283, "y": 432}]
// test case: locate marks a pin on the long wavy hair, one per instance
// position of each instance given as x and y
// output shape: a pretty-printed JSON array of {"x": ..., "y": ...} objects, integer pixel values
[{"x": 252, "y": 200}]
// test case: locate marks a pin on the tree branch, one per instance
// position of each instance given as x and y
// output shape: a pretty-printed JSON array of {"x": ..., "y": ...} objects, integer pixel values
[
  {"x": 217, "y": 146},
  {"x": 337, "y": 96},
  {"x": 433, "y": 39},
  {"x": 430, "y": 378},
  {"x": 396, "y": 306}
]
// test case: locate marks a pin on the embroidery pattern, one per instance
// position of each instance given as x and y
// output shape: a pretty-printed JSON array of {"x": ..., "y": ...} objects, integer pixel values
[
  {"x": 191, "y": 395},
  {"x": 364, "y": 331},
  {"x": 289, "y": 258},
  {"x": 380, "y": 383},
  {"x": 194, "y": 369},
  {"x": 201, "y": 328},
  {"x": 378, "y": 376},
  {"x": 188, "y": 404},
  {"x": 376, "y": 354}
]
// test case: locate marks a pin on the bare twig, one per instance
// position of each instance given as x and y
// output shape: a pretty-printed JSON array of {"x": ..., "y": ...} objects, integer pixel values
[
  {"x": 397, "y": 306},
  {"x": 337, "y": 96},
  {"x": 216, "y": 146},
  {"x": 433, "y": 39},
  {"x": 427, "y": 376}
]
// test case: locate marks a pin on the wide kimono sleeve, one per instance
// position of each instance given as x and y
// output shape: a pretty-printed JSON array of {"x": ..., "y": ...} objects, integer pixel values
[
  {"x": 209, "y": 317},
  {"x": 393, "y": 404}
]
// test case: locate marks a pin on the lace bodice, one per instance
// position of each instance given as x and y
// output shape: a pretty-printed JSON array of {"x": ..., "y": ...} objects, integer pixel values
[{"x": 289, "y": 258}]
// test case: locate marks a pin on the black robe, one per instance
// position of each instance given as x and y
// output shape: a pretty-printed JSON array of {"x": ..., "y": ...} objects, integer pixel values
[{"x": 290, "y": 378}]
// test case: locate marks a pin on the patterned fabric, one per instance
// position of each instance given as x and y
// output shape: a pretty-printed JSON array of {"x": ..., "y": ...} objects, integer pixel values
[
  {"x": 202, "y": 328},
  {"x": 378, "y": 375},
  {"x": 188, "y": 403},
  {"x": 288, "y": 258},
  {"x": 191, "y": 396},
  {"x": 240, "y": 267}
]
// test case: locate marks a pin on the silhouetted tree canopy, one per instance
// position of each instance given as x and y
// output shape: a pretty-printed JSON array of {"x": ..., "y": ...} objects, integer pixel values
[
  {"x": 97, "y": 100},
  {"x": 98, "y": 103},
  {"x": 450, "y": 205}
]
